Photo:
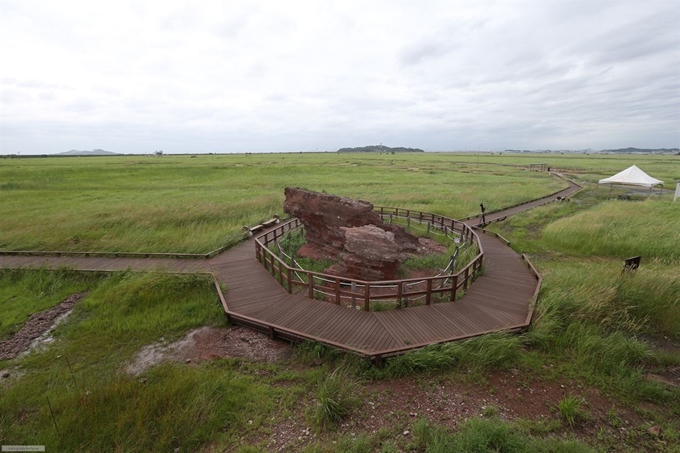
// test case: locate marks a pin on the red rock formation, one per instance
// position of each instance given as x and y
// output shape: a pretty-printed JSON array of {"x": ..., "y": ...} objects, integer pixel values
[
  {"x": 371, "y": 253},
  {"x": 352, "y": 230}
]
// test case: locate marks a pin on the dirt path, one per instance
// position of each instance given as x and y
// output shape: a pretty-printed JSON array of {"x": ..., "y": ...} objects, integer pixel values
[{"x": 37, "y": 324}]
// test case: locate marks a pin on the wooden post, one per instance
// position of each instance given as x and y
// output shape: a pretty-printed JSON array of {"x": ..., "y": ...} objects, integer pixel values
[
  {"x": 400, "y": 292},
  {"x": 310, "y": 285},
  {"x": 367, "y": 297},
  {"x": 280, "y": 272},
  {"x": 428, "y": 296},
  {"x": 454, "y": 286},
  {"x": 467, "y": 274},
  {"x": 290, "y": 280},
  {"x": 404, "y": 290},
  {"x": 271, "y": 263},
  {"x": 337, "y": 291},
  {"x": 354, "y": 298},
  {"x": 408, "y": 221},
  {"x": 428, "y": 227}
]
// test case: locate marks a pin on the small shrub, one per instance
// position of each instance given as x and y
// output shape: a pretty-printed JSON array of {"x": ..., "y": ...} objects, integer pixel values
[
  {"x": 570, "y": 410},
  {"x": 338, "y": 394}
]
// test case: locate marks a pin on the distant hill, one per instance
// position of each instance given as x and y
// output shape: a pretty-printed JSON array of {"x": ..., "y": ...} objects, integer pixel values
[
  {"x": 94, "y": 152},
  {"x": 642, "y": 150},
  {"x": 380, "y": 149}
]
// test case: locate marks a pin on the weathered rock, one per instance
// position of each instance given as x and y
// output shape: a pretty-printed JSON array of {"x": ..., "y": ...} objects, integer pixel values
[
  {"x": 323, "y": 215},
  {"x": 371, "y": 253},
  {"x": 352, "y": 230}
]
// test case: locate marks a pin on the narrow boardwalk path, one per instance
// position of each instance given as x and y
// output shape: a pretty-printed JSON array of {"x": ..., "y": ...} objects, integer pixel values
[{"x": 498, "y": 300}]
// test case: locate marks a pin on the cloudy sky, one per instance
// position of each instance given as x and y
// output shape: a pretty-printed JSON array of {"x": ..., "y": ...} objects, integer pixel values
[{"x": 236, "y": 76}]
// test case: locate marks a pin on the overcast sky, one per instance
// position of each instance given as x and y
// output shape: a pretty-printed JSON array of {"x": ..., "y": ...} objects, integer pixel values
[{"x": 236, "y": 76}]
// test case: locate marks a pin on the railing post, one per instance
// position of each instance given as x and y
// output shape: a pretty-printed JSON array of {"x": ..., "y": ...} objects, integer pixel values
[
  {"x": 310, "y": 285},
  {"x": 354, "y": 298},
  {"x": 428, "y": 295},
  {"x": 290, "y": 280},
  {"x": 337, "y": 291},
  {"x": 454, "y": 286},
  {"x": 467, "y": 274},
  {"x": 280, "y": 272},
  {"x": 428, "y": 227},
  {"x": 367, "y": 297},
  {"x": 408, "y": 220},
  {"x": 400, "y": 292},
  {"x": 271, "y": 263}
]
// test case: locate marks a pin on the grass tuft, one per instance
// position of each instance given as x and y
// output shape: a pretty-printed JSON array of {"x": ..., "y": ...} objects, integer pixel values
[
  {"x": 338, "y": 394},
  {"x": 570, "y": 408}
]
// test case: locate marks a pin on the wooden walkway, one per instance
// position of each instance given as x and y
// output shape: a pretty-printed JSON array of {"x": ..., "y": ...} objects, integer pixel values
[{"x": 498, "y": 300}]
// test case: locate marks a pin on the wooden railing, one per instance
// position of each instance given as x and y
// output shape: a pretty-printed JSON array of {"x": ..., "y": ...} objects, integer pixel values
[{"x": 354, "y": 292}]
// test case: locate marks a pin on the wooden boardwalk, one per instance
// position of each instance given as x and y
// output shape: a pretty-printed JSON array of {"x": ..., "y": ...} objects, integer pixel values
[{"x": 498, "y": 300}]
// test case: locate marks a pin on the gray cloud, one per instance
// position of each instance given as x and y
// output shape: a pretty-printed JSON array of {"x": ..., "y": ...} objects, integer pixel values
[{"x": 289, "y": 76}]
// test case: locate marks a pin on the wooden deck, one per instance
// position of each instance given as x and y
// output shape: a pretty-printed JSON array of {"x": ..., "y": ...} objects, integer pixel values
[{"x": 498, "y": 300}]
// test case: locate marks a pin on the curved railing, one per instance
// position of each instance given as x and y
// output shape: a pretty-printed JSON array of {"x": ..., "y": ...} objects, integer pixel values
[{"x": 360, "y": 293}]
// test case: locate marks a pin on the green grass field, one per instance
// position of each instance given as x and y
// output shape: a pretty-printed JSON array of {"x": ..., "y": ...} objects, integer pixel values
[
  {"x": 195, "y": 205},
  {"x": 593, "y": 326}
]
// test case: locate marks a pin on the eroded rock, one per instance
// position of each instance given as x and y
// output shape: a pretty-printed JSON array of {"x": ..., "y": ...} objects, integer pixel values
[{"x": 337, "y": 227}]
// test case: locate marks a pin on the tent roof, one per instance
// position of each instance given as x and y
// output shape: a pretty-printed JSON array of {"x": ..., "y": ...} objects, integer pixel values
[{"x": 632, "y": 176}]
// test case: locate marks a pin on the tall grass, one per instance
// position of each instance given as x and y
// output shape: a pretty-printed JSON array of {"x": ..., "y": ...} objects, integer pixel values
[
  {"x": 179, "y": 204},
  {"x": 621, "y": 229},
  {"x": 99, "y": 408},
  {"x": 338, "y": 395},
  {"x": 596, "y": 293},
  {"x": 479, "y": 435},
  {"x": 489, "y": 351}
]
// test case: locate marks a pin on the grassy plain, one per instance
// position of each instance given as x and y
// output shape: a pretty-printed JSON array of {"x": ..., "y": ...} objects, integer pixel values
[
  {"x": 594, "y": 328},
  {"x": 195, "y": 205}
]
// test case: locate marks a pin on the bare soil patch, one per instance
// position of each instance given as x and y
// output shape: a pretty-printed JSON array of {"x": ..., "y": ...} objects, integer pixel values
[
  {"x": 396, "y": 404},
  {"x": 207, "y": 343},
  {"x": 38, "y": 324}
]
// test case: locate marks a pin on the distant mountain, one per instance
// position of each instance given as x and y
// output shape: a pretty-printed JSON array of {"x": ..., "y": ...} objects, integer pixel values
[
  {"x": 94, "y": 152},
  {"x": 643, "y": 150},
  {"x": 380, "y": 149}
]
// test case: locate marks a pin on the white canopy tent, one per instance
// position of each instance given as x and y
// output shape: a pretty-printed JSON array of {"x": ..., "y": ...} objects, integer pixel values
[{"x": 632, "y": 176}]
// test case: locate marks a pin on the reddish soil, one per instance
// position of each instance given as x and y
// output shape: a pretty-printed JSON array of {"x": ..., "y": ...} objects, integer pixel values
[
  {"x": 208, "y": 343},
  {"x": 37, "y": 325},
  {"x": 397, "y": 404}
]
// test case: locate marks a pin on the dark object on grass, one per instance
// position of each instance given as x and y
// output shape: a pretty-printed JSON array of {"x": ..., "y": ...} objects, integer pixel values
[{"x": 631, "y": 264}]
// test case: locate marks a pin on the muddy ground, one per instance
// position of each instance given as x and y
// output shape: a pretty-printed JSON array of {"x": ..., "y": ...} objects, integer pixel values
[{"x": 37, "y": 325}]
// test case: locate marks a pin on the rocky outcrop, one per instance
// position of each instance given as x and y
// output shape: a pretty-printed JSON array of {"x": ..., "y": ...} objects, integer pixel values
[
  {"x": 324, "y": 215},
  {"x": 371, "y": 253},
  {"x": 351, "y": 230}
]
